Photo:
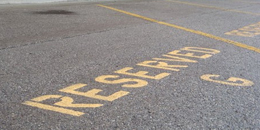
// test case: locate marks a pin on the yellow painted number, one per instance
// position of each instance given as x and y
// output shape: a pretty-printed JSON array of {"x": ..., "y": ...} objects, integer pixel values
[{"x": 233, "y": 81}]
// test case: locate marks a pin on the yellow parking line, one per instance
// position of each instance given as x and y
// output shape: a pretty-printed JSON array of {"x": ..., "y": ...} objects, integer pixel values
[
  {"x": 250, "y": 2},
  {"x": 213, "y": 7},
  {"x": 186, "y": 29}
]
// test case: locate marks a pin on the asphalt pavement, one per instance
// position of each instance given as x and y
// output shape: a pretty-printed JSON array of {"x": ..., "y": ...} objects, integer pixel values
[{"x": 137, "y": 64}]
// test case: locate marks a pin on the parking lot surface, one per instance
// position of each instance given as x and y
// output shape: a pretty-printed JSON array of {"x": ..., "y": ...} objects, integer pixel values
[{"x": 137, "y": 64}]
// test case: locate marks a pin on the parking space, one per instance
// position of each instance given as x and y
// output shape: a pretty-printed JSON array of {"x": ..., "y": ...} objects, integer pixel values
[{"x": 133, "y": 65}]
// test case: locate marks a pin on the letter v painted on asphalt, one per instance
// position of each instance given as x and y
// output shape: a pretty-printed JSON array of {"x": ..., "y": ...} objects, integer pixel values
[{"x": 185, "y": 29}]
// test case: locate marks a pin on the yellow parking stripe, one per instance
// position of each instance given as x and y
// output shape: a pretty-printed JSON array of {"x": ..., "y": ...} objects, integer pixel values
[
  {"x": 250, "y": 2},
  {"x": 186, "y": 29},
  {"x": 213, "y": 7}
]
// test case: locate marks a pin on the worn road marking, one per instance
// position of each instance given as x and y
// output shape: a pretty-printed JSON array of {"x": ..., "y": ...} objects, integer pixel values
[
  {"x": 186, "y": 29},
  {"x": 213, "y": 7},
  {"x": 233, "y": 81},
  {"x": 247, "y": 31}
]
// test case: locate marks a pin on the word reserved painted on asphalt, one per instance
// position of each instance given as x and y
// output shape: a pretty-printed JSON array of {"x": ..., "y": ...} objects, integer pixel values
[
  {"x": 182, "y": 55},
  {"x": 165, "y": 62},
  {"x": 247, "y": 31}
]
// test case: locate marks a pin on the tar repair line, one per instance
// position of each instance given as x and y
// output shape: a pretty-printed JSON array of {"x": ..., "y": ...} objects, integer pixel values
[
  {"x": 213, "y": 7},
  {"x": 186, "y": 29}
]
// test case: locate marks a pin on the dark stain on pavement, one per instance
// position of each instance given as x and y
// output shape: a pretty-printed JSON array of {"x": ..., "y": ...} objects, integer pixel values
[{"x": 55, "y": 12}]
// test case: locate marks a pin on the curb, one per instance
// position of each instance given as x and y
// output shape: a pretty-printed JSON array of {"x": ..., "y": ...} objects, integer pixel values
[{"x": 43, "y": 1}]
